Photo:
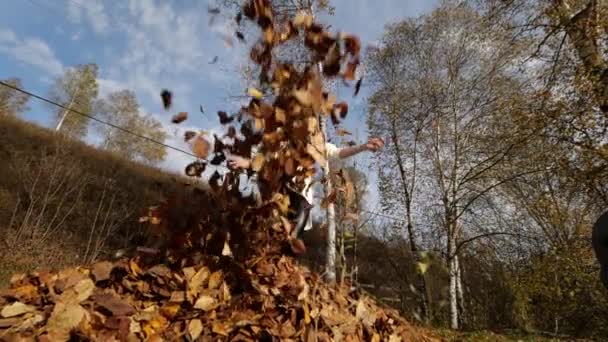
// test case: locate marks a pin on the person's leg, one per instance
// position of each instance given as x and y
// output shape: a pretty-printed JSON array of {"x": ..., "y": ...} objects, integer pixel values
[{"x": 300, "y": 213}]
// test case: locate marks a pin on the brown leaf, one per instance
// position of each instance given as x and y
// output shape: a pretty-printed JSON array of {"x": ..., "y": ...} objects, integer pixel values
[
  {"x": 358, "y": 86},
  {"x": 166, "y": 97},
  {"x": 116, "y": 305},
  {"x": 200, "y": 147},
  {"x": 341, "y": 109},
  {"x": 16, "y": 309},
  {"x": 179, "y": 117},
  {"x": 101, "y": 270},
  {"x": 224, "y": 117},
  {"x": 352, "y": 44},
  {"x": 189, "y": 135}
]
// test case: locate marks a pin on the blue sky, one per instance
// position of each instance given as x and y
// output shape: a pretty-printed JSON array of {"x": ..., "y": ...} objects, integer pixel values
[{"x": 148, "y": 45}]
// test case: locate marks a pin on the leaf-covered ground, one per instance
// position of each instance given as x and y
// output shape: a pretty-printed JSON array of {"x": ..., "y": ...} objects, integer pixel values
[{"x": 195, "y": 298}]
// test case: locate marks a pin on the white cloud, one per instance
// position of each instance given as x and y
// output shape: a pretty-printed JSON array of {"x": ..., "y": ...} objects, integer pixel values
[
  {"x": 76, "y": 36},
  {"x": 93, "y": 12},
  {"x": 31, "y": 51},
  {"x": 107, "y": 86}
]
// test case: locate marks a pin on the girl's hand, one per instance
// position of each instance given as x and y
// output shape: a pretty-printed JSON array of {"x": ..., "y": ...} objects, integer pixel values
[
  {"x": 237, "y": 162},
  {"x": 374, "y": 144}
]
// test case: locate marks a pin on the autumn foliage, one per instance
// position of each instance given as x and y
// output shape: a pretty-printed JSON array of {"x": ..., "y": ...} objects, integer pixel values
[{"x": 221, "y": 270}]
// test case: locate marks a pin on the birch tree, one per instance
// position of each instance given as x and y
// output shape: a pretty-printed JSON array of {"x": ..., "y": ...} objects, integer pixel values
[
  {"x": 12, "y": 102},
  {"x": 454, "y": 85},
  {"x": 76, "y": 90},
  {"x": 122, "y": 109}
]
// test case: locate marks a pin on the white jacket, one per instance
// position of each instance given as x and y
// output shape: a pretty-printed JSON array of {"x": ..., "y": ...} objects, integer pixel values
[{"x": 308, "y": 193}]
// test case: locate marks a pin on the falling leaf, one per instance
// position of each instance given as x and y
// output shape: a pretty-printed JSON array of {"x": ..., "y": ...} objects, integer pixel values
[
  {"x": 341, "y": 109},
  {"x": 240, "y": 36},
  {"x": 303, "y": 19},
  {"x": 224, "y": 117},
  {"x": 358, "y": 86},
  {"x": 342, "y": 132},
  {"x": 16, "y": 309},
  {"x": 213, "y": 10},
  {"x": 213, "y": 61},
  {"x": 195, "y": 328},
  {"x": 188, "y": 135},
  {"x": 352, "y": 44},
  {"x": 179, "y": 117},
  {"x": 166, "y": 97},
  {"x": 258, "y": 162},
  {"x": 255, "y": 93},
  {"x": 200, "y": 147},
  {"x": 196, "y": 169},
  {"x": 238, "y": 18}
]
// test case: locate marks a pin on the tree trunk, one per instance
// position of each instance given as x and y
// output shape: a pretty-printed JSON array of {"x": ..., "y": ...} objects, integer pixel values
[
  {"x": 459, "y": 292},
  {"x": 453, "y": 273},
  {"x": 423, "y": 299}
]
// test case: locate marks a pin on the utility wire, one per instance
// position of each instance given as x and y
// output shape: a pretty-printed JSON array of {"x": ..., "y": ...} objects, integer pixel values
[
  {"x": 143, "y": 136},
  {"x": 97, "y": 120}
]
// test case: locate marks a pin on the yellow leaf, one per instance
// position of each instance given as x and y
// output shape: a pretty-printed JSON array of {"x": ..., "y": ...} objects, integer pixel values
[
  {"x": 215, "y": 280},
  {"x": 170, "y": 310},
  {"x": 342, "y": 132},
  {"x": 258, "y": 162},
  {"x": 423, "y": 267},
  {"x": 80, "y": 292},
  {"x": 259, "y": 124},
  {"x": 16, "y": 309},
  {"x": 306, "y": 313},
  {"x": 134, "y": 267},
  {"x": 375, "y": 338},
  {"x": 219, "y": 329},
  {"x": 63, "y": 319},
  {"x": 303, "y": 19},
  {"x": 255, "y": 93},
  {"x": 196, "y": 282},
  {"x": 226, "y": 292},
  {"x": 195, "y": 328}
]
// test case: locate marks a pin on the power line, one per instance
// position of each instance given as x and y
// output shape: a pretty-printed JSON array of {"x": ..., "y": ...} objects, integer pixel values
[{"x": 97, "y": 120}]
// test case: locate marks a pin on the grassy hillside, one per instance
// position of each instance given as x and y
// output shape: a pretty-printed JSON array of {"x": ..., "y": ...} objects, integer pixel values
[{"x": 63, "y": 202}]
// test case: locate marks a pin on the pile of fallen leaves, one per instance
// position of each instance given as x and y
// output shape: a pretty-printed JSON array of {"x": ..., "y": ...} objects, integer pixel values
[
  {"x": 198, "y": 298},
  {"x": 221, "y": 271}
]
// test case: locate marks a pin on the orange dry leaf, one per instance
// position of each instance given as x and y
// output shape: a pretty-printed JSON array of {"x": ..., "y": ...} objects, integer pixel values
[
  {"x": 200, "y": 147},
  {"x": 180, "y": 117}
]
